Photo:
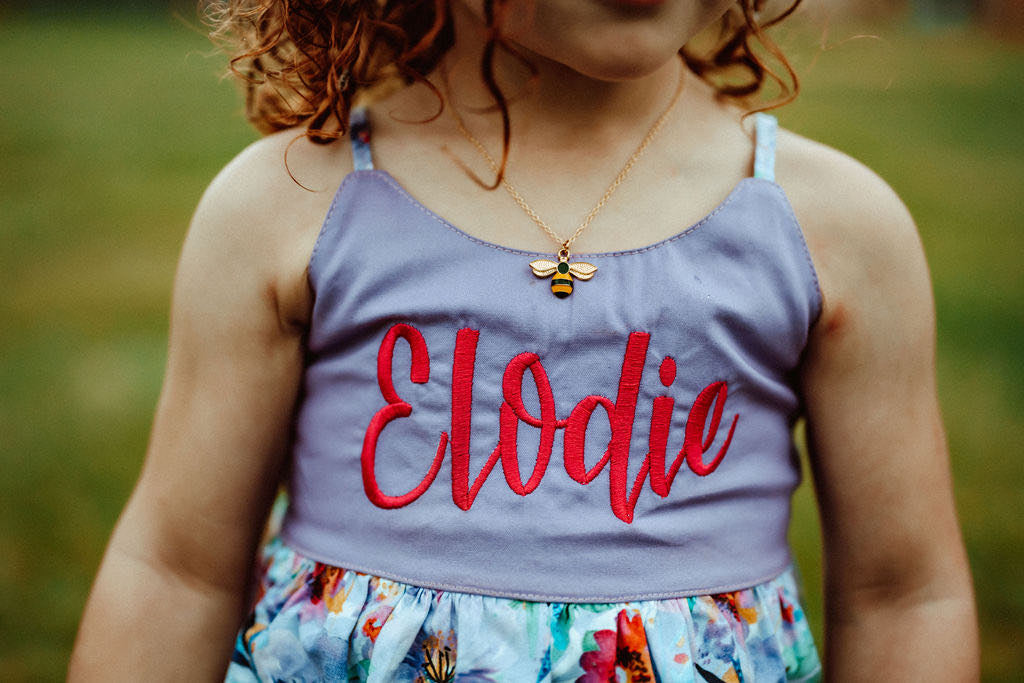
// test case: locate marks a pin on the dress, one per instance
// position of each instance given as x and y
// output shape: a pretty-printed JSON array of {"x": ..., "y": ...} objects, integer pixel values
[{"x": 411, "y": 551}]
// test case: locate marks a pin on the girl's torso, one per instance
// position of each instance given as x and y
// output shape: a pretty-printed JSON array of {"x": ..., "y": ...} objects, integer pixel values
[
  {"x": 451, "y": 400},
  {"x": 465, "y": 433}
]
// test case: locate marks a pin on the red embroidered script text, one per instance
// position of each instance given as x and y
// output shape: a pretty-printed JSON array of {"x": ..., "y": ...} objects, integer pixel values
[{"x": 699, "y": 436}]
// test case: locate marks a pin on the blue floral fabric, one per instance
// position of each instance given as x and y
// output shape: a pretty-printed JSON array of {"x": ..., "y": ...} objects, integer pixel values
[{"x": 315, "y": 622}]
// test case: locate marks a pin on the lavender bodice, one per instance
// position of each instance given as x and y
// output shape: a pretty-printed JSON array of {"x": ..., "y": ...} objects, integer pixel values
[{"x": 463, "y": 429}]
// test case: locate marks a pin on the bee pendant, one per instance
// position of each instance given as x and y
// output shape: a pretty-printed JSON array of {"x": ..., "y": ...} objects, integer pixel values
[{"x": 562, "y": 272}]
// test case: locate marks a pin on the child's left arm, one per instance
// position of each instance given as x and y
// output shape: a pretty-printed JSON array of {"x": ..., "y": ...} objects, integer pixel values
[{"x": 898, "y": 595}]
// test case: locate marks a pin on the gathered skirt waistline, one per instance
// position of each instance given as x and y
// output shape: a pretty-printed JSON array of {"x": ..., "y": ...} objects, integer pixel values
[{"x": 312, "y": 621}]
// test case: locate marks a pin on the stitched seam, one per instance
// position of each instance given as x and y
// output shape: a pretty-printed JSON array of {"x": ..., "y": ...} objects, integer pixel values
[
  {"x": 326, "y": 225},
  {"x": 437, "y": 219},
  {"x": 537, "y": 597},
  {"x": 795, "y": 225},
  {"x": 383, "y": 175}
]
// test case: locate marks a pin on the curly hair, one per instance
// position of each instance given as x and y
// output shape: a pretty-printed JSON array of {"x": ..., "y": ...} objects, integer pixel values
[{"x": 304, "y": 62}]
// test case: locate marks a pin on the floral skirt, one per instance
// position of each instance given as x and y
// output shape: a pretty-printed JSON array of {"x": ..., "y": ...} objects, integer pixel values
[{"x": 315, "y": 622}]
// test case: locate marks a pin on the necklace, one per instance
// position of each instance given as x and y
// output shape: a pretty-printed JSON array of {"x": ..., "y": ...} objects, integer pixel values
[{"x": 563, "y": 271}]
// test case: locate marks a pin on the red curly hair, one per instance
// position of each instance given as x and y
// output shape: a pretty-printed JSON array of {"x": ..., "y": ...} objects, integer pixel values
[{"x": 305, "y": 62}]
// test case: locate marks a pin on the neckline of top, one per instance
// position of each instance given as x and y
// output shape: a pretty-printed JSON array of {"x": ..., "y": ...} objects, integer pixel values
[
  {"x": 765, "y": 132},
  {"x": 397, "y": 187}
]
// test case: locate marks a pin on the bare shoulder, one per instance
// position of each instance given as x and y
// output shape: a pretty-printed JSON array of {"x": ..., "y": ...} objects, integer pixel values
[
  {"x": 862, "y": 238},
  {"x": 274, "y": 186},
  {"x": 260, "y": 217},
  {"x": 837, "y": 198}
]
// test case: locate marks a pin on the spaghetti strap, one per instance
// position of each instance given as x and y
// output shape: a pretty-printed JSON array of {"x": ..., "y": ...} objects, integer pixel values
[
  {"x": 765, "y": 128},
  {"x": 359, "y": 134}
]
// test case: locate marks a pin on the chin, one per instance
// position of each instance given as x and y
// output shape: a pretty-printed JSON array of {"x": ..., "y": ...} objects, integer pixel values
[
  {"x": 619, "y": 60},
  {"x": 613, "y": 40},
  {"x": 615, "y": 67}
]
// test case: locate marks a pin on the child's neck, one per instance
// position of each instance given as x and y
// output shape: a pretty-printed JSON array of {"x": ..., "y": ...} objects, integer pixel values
[{"x": 559, "y": 102}]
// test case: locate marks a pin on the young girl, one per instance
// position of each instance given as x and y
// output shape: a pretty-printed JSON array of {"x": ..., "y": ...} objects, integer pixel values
[{"x": 520, "y": 444}]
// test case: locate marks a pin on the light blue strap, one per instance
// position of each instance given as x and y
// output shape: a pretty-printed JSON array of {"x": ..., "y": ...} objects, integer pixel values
[
  {"x": 765, "y": 128},
  {"x": 359, "y": 134}
]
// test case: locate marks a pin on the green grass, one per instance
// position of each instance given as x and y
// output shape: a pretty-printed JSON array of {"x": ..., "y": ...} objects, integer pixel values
[
  {"x": 938, "y": 116},
  {"x": 111, "y": 126},
  {"x": 110, "y": 130}
]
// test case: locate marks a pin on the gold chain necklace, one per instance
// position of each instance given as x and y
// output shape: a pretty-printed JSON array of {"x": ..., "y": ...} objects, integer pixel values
[{"x": 562, "y": 271}]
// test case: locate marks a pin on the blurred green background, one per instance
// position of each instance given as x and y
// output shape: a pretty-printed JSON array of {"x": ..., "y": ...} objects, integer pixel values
[{"x": 113, "y": 122}]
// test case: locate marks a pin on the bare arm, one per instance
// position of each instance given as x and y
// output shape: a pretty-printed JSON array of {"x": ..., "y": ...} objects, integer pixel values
[
  {"x": 172, "y": 586},
  {"x": 898, "y": 594}
]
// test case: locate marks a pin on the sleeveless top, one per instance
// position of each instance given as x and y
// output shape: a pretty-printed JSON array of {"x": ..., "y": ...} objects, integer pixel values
[{"x": 463, "y": 429}]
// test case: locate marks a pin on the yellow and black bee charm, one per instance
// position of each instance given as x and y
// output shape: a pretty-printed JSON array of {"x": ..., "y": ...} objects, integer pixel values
[{"x": 562, "y": 272}]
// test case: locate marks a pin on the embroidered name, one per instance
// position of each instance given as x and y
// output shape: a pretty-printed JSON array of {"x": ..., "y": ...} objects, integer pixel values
[{"x": 698, "y": 438}]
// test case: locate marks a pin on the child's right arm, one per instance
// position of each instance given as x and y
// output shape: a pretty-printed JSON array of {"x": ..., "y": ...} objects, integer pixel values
[{"x": 171, "y": 590}]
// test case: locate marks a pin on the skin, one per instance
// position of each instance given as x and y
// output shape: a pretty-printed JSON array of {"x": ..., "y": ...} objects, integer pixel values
[{"x": 898, "y": 589}]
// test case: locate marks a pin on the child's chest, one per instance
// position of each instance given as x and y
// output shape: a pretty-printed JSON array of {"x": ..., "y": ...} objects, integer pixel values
[{"x": 662, "y": 193}]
